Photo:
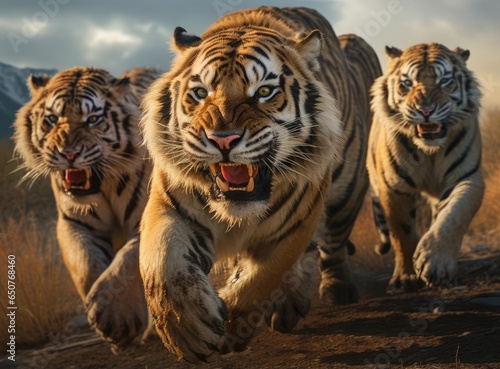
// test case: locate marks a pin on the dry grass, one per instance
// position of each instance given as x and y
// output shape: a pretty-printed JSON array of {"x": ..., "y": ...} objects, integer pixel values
[
  {"x": 486, "y": 225},
  {"x": 45, "y": 295}
]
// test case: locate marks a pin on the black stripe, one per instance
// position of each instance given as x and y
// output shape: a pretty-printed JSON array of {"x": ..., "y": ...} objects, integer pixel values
[
  {"x": 286, "y": 71},
  {"x": 204, "y": 261},
  {"x": 132, "y": 203},
  {"x": 399, "y": 170},
  {"x": 280, "y": 202},
  {"x": 462, "y": 156},
  {"x": 257, "y": 61},
  {"x": 77, "y": 221},
  {"x": 476, "y": 167},
  {"x": 291, "y": 229},
  {"x": 183, "y": 212},
  {"x": 260, "y": 51},
  {"x": 114, "y": 118},
  {"x": 446, "y": 193},
  {"x": 456, "y": 141},
  {"x": 472, "y": 171},
  {"x": 335, "y": 208},
  {"x": 397, "y": 192},
  {"x": 295, "y": 91},
  {"x": 122, "y": 183},
  {"x": 312, "y": 95},
  {"x": 105, "y": 248}
]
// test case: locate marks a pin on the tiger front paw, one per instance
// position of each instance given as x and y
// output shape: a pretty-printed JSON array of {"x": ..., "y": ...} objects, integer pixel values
[
  {"x": 407, "y": 282},
  {"x": 292, "y": 302},
  {"x": 434, "y": 264},
  {"x": 190, "y": 320},
  {"x": 335, "y": 291},
  {"x": 116, "y": 309}
]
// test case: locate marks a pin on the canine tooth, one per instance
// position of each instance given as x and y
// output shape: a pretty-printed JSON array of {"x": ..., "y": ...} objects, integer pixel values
[
  {"x": 250, "y": 170},
  {"x": 250, "y": 185},
  {"x": 213, "y": 168},
  {"x": 222, "y": 185}
]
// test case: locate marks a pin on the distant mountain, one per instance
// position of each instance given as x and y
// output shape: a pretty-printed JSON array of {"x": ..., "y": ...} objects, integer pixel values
[{"x": 14, "y": 93}]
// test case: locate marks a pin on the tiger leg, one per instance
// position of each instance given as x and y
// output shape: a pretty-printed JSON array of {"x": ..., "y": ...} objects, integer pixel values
[
  {"x": 85, "y": 255},
  {"x": 435, "y": 259},
  {"x": 176, "y": 254},
  {"x": 400, "y": 214},
  {"x": 275, "y": 286},
  {"x": 112, "y": 291},
  {"x": 116, "y": 307},
  {"x": 296, "y": 287},
  {"x": 381, "y": 223},
  {"x": 337, "y": 286}
]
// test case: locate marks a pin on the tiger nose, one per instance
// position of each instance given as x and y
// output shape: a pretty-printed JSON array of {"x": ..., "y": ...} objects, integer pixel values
[
  {"x": 224, "y": 140},
  {"x": 425, "y": 110},
  {"x": 70, "y": 153}
]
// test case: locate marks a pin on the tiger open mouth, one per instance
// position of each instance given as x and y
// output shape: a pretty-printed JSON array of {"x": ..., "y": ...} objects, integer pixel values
[
  {"x": 77, "y": 179},
  {"x": 235, "y": 181},
  {"x": 430, "y": 130},
  {"x": 80, "y": 182}
]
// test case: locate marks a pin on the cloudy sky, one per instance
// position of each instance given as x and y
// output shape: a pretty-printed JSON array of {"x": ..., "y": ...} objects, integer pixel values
[{"x": 118, "y": 35}]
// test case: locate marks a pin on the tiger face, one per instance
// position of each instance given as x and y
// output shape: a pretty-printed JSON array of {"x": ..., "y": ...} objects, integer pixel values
[
  {"x": 237, "y": 122},
  {"x": 428, "y": 92},
  {"x": 75, "y": 128}
]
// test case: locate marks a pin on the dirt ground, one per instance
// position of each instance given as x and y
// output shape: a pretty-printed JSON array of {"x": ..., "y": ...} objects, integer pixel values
[{"x": 457, "y": 327}]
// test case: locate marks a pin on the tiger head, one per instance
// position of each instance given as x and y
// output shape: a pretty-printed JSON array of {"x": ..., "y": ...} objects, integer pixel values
[
  {"x": 241, "y": 116},
  {"x": 76, "y": 127},
  {"x": 427, "y": 93}
]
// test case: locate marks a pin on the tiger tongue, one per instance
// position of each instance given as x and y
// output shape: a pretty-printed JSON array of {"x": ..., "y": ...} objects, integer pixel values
[
  {"x": 76, "y": 176},
  {"x": 236, "y": 174}
]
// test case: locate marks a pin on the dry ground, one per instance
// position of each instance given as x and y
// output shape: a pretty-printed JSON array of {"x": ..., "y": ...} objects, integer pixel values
[{"x": 457, "y": 327}]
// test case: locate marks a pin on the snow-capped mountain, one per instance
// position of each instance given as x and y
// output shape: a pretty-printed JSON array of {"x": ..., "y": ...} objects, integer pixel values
[{"x": 14, "y": 93}]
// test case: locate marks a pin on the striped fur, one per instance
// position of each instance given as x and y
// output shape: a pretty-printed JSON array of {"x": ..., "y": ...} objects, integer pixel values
[
  {"x": 425, "y": 141},
  {"x": 81, "y": 128},
  {"x": 245, "y": 137}
]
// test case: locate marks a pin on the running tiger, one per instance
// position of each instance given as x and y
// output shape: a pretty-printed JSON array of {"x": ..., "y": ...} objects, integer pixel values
[
  {"x": 245, "y": 138},
  {"x": 425, "y": 140},
  {"x": 81, "y": 128}
]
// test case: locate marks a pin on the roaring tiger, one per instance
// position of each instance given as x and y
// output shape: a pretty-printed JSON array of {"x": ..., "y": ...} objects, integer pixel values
[
  {"x": 81, "y": 128},
  {"x": 246, "y": 132},
  {"x": 425, "y": 140}
]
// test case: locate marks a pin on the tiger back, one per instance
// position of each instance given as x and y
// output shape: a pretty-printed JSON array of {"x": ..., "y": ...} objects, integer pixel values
[{"x": 81, "y": 129}]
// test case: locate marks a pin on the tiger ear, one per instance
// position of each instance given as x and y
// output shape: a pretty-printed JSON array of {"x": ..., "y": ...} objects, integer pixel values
[
  {"x": 310, "y": 48},
  {"x": 464, "y": 54},
  {"x": 393, "y": 52},
  {"x": 120, "y": 85},
  {"x": 36, "y": 83},
  {"x": 184, "y": 40}
]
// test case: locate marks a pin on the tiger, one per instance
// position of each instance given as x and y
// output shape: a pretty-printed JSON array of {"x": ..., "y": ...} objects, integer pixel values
[
  {"x": 80, "y": 127},
  {"x": 246, "y": 132},
  {"x": 425, "y": 142}
]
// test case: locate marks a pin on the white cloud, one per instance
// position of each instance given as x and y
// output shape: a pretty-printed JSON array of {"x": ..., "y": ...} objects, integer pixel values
[{"x": 101, "y": 37}]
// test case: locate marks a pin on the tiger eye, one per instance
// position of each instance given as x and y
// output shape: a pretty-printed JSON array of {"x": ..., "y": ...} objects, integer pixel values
[
  {"x": 264, "y": 91},
  {"x": 201, "y": 92},
  {"x": 51, "y": 119}
]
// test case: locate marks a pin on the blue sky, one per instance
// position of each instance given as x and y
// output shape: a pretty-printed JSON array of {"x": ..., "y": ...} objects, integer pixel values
[{"x": 118, "y": 35}]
